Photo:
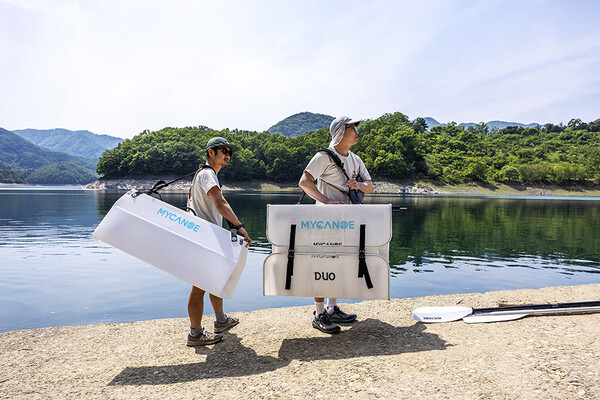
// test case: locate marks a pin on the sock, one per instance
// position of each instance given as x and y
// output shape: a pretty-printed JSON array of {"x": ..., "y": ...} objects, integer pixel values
[
  {"x": 221, "y": 317},
  {"x": 320, "y": 308},
  {"x": 196, "y": 330},
  {"x": 331, "y": 303}
]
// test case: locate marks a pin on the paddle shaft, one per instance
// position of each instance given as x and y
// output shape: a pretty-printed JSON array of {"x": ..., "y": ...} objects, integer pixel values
[{"x": 531, "y": 307}]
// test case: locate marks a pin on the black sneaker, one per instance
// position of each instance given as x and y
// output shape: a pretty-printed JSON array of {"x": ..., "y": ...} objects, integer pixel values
[
  {"x": 229, "y": 323},
  {"x": 204, "y": 339},
  {"x": 324, "y": 324},
  {"x": 339, "y": 316}
]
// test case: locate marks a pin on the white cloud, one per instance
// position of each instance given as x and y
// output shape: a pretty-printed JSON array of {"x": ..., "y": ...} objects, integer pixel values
[{"x": 122, "y": 67}]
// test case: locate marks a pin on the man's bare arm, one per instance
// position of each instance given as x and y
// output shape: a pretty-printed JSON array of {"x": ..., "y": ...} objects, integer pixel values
[
  {"x": 307, "y": 183},
  {"x": 226, "y": 211}
]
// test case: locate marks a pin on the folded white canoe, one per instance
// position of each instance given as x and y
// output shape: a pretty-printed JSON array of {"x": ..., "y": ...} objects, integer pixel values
[
  {"x": 337, "y": 250},
  {"x": 187, "y": 247}
]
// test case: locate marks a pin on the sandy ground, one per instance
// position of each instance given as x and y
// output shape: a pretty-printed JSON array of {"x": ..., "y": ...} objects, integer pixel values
[{"x": 275, "y": 353}]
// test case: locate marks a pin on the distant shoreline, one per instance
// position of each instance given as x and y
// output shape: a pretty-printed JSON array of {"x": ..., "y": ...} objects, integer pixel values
[{"x": 381, "y": 187}]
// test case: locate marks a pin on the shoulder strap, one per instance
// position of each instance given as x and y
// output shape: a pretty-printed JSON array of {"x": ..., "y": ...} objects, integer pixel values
[
  {"x": 337, "y": 162},
  {"x": 200, "y": 168},
  {"x": 160, "y": 185},
  {"x": 190, "y": 209},
  {"x": 334, "y": 157}
]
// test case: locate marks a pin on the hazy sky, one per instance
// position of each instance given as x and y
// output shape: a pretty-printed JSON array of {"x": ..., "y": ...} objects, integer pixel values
[{"x": 120, "y": 67}]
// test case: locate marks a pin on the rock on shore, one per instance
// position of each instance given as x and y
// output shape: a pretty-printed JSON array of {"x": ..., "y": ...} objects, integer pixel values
[
  {"x": 275, "y": 353},
  {"x": 184, "y": 185}
]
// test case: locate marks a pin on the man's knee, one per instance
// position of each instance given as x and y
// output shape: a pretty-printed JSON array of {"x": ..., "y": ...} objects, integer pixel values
[
  {"x": 215, "y": 297},
  {"x": 196, "y": 292}
]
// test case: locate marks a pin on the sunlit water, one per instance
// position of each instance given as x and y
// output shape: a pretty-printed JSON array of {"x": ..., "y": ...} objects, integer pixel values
[{"x": 53, "y": 272}]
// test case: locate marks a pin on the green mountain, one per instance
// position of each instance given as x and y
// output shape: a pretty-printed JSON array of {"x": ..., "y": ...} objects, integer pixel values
[
  {"x": 20, "y": 158},
  {"x": 498, "y": 124},
  {"x": 76, "y": 143},
  {"x": 62, "y": 172},
  {"x": 8, "y": 176},
  {"x": 504, "y": 124},
  {"x": 301, "y": 124}
]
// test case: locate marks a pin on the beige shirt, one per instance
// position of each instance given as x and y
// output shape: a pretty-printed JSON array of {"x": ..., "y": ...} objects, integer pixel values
[
  {"x": 201, "y": 202},
  {"x": 331, "y": 181}
]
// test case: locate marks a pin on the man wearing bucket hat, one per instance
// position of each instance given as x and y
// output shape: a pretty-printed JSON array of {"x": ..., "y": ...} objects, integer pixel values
[
  {"x": 333, "y": 188},
  {"x": 207, "y": 202}
]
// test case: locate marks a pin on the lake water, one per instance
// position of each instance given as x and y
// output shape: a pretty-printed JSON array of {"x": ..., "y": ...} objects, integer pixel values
[{"x": 53, "y": 273}]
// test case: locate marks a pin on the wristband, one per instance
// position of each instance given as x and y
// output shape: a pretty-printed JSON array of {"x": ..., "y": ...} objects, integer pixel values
[{"x": 240, "y": 226}]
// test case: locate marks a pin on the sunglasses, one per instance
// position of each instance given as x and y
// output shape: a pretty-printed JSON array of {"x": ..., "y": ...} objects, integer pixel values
[
  {"x": 225, "y": 151},
  {"x": 353, "y": 127}
]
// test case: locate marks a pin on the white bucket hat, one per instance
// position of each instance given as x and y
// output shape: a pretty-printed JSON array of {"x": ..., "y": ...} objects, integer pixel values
[{"x": 337, "y": 128}]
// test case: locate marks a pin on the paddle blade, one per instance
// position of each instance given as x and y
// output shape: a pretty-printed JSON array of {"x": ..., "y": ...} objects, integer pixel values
[
  {"x": 479, "y": 318},
  {"x": 441, "y": 314}
]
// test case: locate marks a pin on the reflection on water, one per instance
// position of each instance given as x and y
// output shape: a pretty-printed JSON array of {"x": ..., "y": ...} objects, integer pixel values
[{"x": 52, "y": 272}]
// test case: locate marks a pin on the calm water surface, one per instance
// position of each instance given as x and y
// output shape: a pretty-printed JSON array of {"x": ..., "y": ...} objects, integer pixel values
[{"x": 52, "y": 272}]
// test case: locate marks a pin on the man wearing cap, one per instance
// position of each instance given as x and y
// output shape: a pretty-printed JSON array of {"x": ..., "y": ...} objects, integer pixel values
[
  {"x": 333, "y": 188},
  {"x": 207, "y": 202}
]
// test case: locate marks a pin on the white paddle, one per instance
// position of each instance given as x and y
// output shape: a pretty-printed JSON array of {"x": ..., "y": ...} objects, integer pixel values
[{"x": 497, "y": 314}]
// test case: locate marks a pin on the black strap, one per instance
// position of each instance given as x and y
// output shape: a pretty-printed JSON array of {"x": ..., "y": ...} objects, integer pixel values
[
  {"x": 340, "y": 164},
  {"x": 290, "y": 264},
  {"x": 301, "y": 197},
  {"x": 362, "y": 263},
  {"x": 200, "y": 168},
  {"x": 336, "y": 160},
  {"x": 162, "y": 184},
  {"x": 334, "y": 157}
]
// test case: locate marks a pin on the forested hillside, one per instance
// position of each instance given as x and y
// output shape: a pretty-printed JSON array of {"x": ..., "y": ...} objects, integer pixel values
[
  {"x": 76, "y": 143},
  {"x": 9, "y": 176},
  {"x": 61, "y": 173},
  {"x": 391, "y": 147},
  {"x": 21, "y": 159},
  {"x": 491, "y": 124},
  {"x": 301, "y": 124}
]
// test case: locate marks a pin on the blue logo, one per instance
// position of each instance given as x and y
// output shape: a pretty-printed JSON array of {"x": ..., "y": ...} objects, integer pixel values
[
  {"x": 327, "y": 225},
  {"x": 177, "y": 219}
]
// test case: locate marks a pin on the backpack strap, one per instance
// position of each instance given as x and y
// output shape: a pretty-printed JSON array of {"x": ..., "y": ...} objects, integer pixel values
[
  {"x": 337, "y": 162},
  {"x": 232, "y": 228},
  {"x": 334, "y": 157},
  {"x": 200, "y": 168},
  {"x": 160, "y": 185},
  {"x": 354, "y": 194}
]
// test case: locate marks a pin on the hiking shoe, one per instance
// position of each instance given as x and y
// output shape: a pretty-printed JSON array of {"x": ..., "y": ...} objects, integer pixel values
[
  {"x": 339, "y": 316},
  {"x": 229, "y": 323},
  {"x": 324, "y": 324},
  {"x": 204, "y": 339}
]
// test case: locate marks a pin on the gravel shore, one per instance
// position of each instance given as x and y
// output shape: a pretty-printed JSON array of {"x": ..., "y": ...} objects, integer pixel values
[
  {"x": 184, "y": 185},
  {"x": 381, "y": 187},
  {"x": 275, "y": 353}
]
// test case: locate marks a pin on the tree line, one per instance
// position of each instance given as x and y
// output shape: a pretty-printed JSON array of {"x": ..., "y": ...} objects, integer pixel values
[{"x": 391, "y": 146}]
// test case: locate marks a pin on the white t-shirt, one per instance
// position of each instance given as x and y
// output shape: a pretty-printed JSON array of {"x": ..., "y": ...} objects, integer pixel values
[
  {"x": 201, "y": 202},
  {"x": 331, "y": 181}
]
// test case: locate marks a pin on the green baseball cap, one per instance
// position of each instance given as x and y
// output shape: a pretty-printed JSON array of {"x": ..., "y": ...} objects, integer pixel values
[{"x": 220, "y": 142}]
